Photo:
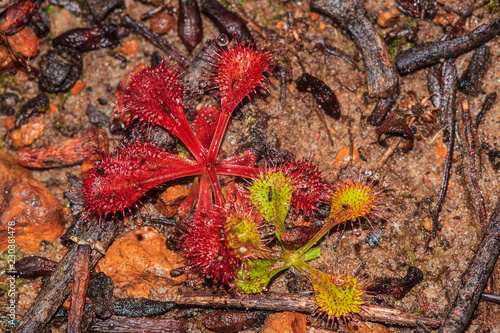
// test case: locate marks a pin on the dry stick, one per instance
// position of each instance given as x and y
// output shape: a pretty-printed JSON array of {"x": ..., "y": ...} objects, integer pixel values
[
  {"x": 390, "y": 150},
  {"x": 155, "y": 39},
  {"x": 119, "y": 324},
  {"x": 427, "y": 54},
  {"x": 473, "y": 177},
  {"x": 473, "y": 171},
  {"x": 322, "y": 119},
  {"x": 487, "y": 104},
  {"x": 382, "y": 76},
  {"x": 81, "y": 275},
  {"x": 58, "y": 287},
  {"x": 295, "y": 303},
  {"x": 449, "y": 94},
  {"x": 475, "y": 277},
  {"x": 490, "y": 298}
]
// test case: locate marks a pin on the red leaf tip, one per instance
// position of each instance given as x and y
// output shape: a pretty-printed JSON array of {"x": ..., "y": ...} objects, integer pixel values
[{"x": 238, "y": 71}]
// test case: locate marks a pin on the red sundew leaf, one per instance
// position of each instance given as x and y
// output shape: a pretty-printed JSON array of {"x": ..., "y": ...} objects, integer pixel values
[
  {"x": 121, "y": 179},
  {"x": 206, "y": 251},
  {"x": 310, "y": 188},
  {"x": 154, "y": 97},
  {"x": 238, "y": 71},
  {"x": 241, "y": 165},
  {"x": 247, "y": 158},
  {"x": 121, "y": 114},
  {"x": 205, "y": 123}
]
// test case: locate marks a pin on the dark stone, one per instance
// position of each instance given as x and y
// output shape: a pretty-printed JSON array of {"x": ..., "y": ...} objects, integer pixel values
[{"x": 59, "y": 70}]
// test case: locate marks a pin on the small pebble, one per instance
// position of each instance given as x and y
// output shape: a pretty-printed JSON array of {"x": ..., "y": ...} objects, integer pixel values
[{"x": 427, "y": 224}]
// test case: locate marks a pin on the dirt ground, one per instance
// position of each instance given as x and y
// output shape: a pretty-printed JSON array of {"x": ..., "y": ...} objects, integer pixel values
[{"x": 413, "y": 178}]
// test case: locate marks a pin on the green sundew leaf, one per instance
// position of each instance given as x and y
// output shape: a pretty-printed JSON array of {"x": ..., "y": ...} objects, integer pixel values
[
  {"x": 311, "y": 254},
  {"x": 336, "y": 295},
  {"x": 271, "y": 193},
  {"x": 256, "y": 276}
]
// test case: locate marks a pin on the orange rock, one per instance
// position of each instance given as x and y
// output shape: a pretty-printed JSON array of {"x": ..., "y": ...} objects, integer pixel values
[
  {"x": 440, "y": 148},
  {"x": 342, "y": 158},
  {"x": 6, "y": 61},
  {"x": 285, "y": 322},
  {"x": 77, "y": 88},
  {"x": 140, "y": 263},
  {"x": 444, "y": 19},
  {"x": 25, "y": 43},
  {"x": 128, "y": 49},
  {"x": 389, "y": 18},
  {"x": 29, "y": 132},
  {"x": 10, "y": 123},
  {"x": 162, "y": 22},
  {"x": 170, "y": 200},
  {"x": 29, "y": 213}
]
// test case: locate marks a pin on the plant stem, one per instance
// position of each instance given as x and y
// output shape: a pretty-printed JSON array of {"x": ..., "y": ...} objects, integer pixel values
[
  {"x": 220, "y": 130},
  {"x": 337, "y": 219},
  {"x": 237, "y": 170}
]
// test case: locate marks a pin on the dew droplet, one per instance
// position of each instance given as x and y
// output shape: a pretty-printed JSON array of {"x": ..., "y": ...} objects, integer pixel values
[
  {"x": 202, "y": 84},
  {"x": 368, "y": 173},
  {"x": 222, "y": 40},
  {"x": 357, "y": 232}
]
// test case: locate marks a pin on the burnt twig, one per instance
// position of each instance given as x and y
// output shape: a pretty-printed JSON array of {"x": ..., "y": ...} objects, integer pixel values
[
  {"x": 336, "y": 52},
  {"x": 487, "y": 104},
  {"x": 58, "y": 287},
  {"x": 154, "y": 39},
  {"x": 448, "y": 108},
  {"x": 471, "y": 78},
  {"x": 473, "y": 171},
  {"x": 383, "y": 79},
  {"x": 475, "y": 277},
  {"x": 381, "y": 110},
  {"x": 427, "y": 54}
]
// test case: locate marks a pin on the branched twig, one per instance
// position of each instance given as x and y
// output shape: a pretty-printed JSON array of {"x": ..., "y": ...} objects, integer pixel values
[
  {"x": 58, "y": 287},
  {"x": 475, "y": 277},
  {"x": 448, "y": 103},
  {"x": 487, "y": 104},
  {"x": 154, "y": 39}
]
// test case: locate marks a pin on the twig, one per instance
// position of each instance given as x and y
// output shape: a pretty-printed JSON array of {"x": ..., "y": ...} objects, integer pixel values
[
  {"x": 250, "y": 21},
  {"x": 490, "y": 298},
  {"x": 427, "y": 54},
  {"x": 81, "y": 274},
  {"x": 154, "y": 39},
  {"x": 449, "y": 94},
  {"x": 487, "y": 104},
  {"x": 390, "y": 150},
  {"x": 58, "y": 287},
  {"x": 475, "y": 277},
  {"x": 473, "y": 171},
  {"x": 382, "y": 76},
  {"x": 297, "y": 303},
  {"x": 119, "y": 324}
]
